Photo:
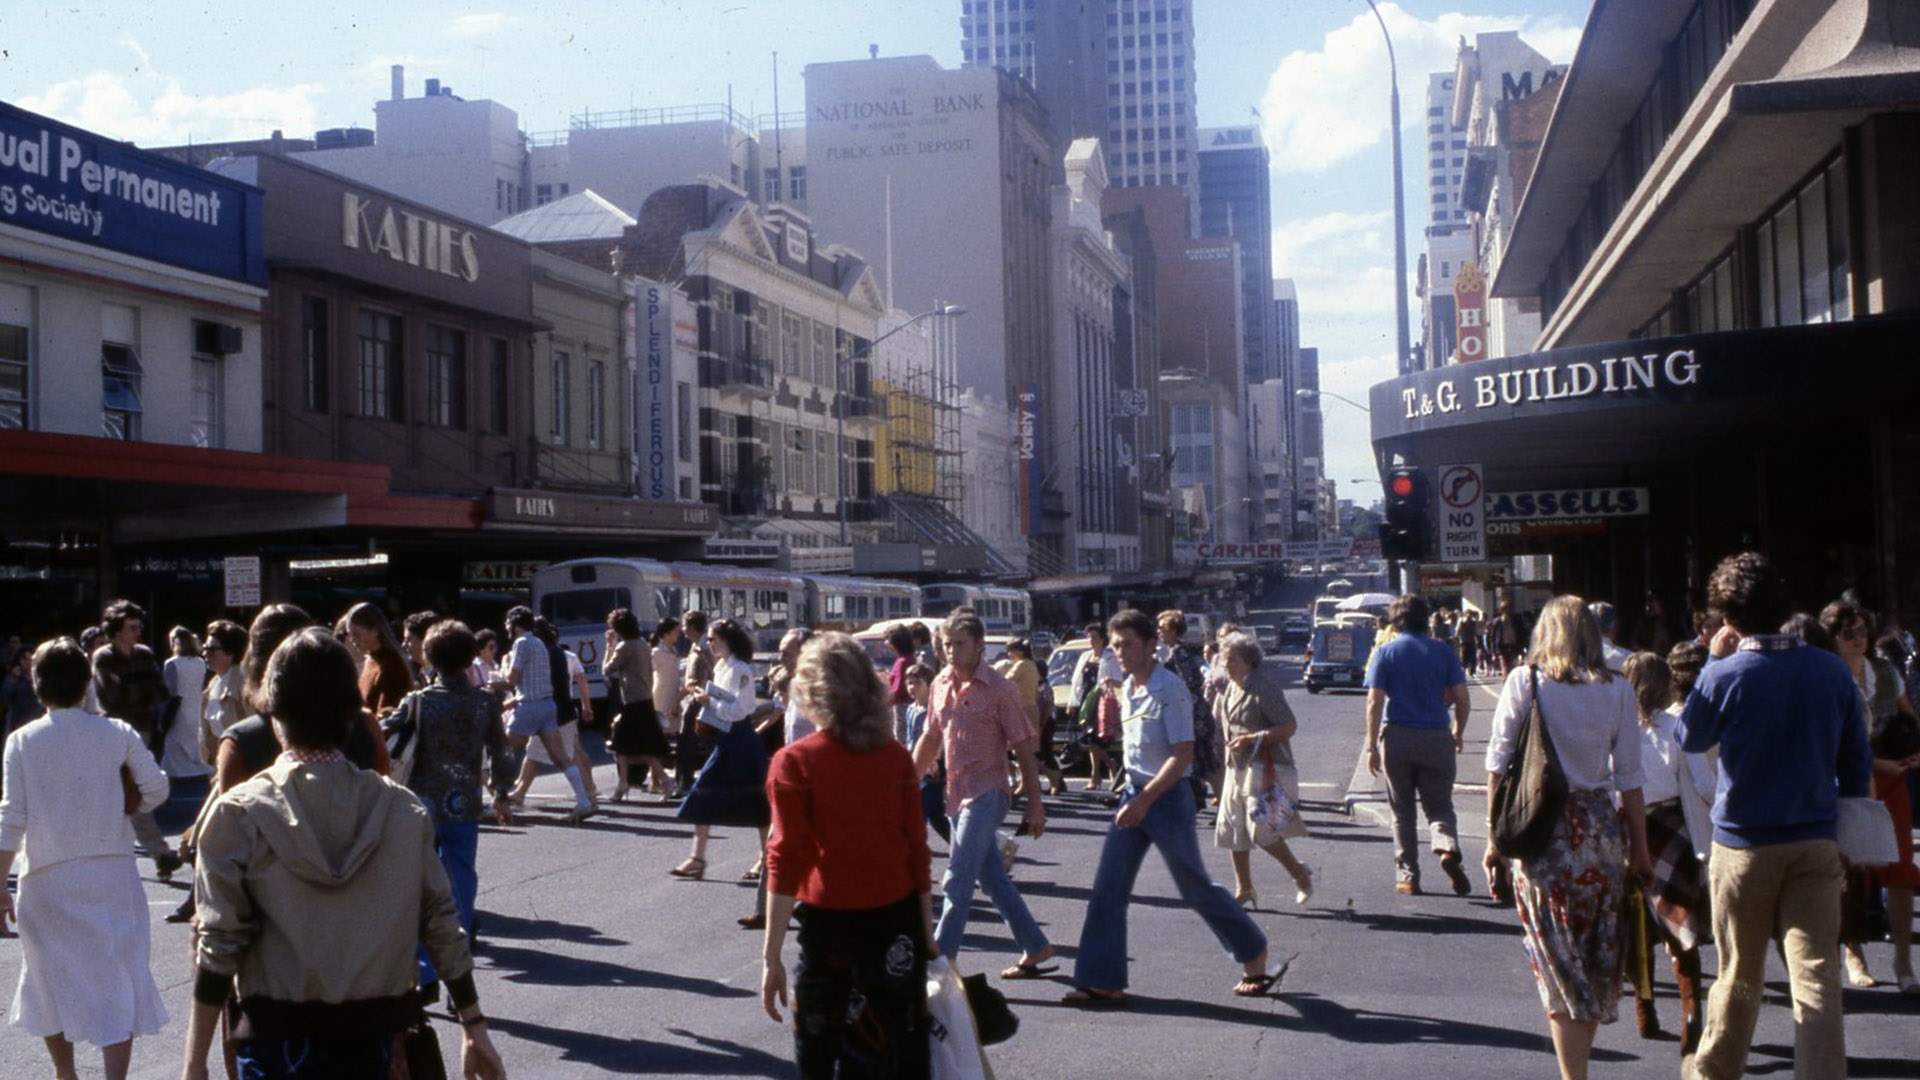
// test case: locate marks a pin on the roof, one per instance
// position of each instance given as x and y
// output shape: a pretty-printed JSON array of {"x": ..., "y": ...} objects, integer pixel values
[{"x": 580, "y": 216}]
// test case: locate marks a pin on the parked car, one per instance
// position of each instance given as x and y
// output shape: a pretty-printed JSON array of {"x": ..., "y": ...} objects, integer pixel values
[
  {"x": 1268, "y": 637},
  {"x": 1296, "y": 629}
]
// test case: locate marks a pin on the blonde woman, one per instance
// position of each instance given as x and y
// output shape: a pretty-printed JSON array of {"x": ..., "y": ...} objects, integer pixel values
[
  {"x": 1570, "y": 895},
  {"x": 1259, "y": 728},
  {"x": 848, "y": 857}
]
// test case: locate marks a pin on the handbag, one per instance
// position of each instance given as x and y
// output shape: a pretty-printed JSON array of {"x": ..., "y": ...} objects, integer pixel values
[
  {"x": 421, "y": 1047},
  {"x": 1864, "y": 830},
  {"x": 1273, "y": 815},
  {"x": 1525, "y": 805},
  {"x": 401, "y": 729},
  {"x": 991, "y": 1015}
]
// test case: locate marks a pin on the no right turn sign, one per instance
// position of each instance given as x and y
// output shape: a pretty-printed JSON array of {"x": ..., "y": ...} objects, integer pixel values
[{"x": 1463, "y": 514}]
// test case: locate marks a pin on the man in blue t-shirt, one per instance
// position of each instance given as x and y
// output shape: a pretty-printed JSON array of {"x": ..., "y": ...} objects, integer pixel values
[
  {"x": 1412, "y": 682},
  {"x": 1792, "y": 732}
]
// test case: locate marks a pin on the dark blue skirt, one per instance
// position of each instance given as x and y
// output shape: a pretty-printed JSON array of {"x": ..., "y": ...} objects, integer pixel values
[{"x": 731, "y": 788}]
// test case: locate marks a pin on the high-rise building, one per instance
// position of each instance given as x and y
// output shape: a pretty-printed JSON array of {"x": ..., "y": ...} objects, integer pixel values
[
  {"x": 1058, "y": 46},
  {"x": 1286, "y": 329},
  {"x": 940, "y": 179},
  {"x": 1310, "y": 447},
  {"x": 1235, "y": 202},
  {"x": 1141, "y": 107}
]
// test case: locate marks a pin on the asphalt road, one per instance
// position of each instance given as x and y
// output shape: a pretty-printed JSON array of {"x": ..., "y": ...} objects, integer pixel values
[{"x": 593, "y": 962}]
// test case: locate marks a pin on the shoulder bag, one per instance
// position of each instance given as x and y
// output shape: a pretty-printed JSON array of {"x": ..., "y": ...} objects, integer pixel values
[
  {"x": 402, "y": 731},
  {"x": 1526, "y": 803},
  {"x": 1864, "y": 829}
]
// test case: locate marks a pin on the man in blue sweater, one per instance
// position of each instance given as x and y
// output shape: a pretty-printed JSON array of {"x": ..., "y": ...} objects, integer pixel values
[{"x": 1792, "y": 733}]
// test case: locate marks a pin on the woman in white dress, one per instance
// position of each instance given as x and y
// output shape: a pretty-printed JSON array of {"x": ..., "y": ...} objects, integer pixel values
[
  {"x": 185, "y": 674},
  {"x": 81, "y": 915}
]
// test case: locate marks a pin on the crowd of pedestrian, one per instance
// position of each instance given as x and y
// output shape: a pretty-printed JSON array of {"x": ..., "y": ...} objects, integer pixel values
[{"x": 1696, "y": 797}]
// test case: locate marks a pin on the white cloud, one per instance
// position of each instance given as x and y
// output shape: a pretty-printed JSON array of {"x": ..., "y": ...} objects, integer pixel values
[
  {"x": 481, "y": 25},
  {"x": 1323, "y": 107},
  {"x": 153, "y": 109},
  {"x": 1302, "y": 242}
]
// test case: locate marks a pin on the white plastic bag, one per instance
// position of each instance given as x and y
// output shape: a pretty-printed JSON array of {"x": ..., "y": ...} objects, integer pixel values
[
  {"x": 1865, "y": 832},
  {"x": 953, "y": 1042}
]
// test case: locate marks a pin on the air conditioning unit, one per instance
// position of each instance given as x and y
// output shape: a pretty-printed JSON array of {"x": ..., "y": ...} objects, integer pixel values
[{"x": 217, "y": 339}]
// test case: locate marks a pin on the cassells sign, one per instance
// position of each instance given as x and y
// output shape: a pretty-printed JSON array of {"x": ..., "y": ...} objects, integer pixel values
[
  {"x": 76, "y": 185},
  {"x": 1567, "y": 504}
]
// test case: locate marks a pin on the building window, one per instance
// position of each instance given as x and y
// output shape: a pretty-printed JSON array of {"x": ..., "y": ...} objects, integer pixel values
[
  {"x": 205, "y": 428},
  {"x": 316, "y": 347},
  {"x": 380, "y": 365},
  {"x": 1804, "y": 262},
  {"x": 13, "y": 374},
  {"x": 563, "y": 189},
  {"x": 596, "y": 403},
  {"x": 542, "y": 194},
  {"x": 120, "y": 373},
  {"x": 683, "y": 422},
  {"x": 497, "y": 416},
  {"x": 770, "y": 184},
  {"x": 446, "y": 378},
  {"x": 797, "y": 183},
  {"x": 562, "y": 397}
]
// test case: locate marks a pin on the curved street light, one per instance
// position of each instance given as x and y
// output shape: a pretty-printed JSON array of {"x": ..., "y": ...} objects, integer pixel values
[{"x": 1310, "y": 397}]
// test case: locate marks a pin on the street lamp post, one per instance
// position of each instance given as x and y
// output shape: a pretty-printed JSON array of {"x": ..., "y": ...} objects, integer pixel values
[
  {"x": 1309, "y": 397},
  {"x": 939, "y": 310},
  {"x": 1403, "y": 339}
]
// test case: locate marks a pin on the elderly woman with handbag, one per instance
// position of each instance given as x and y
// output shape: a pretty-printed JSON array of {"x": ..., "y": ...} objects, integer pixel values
[
  {"x": 72, "y": 779},
  {"x": 1259, "y": 728},
  {"x": 1571, "y": 881}
]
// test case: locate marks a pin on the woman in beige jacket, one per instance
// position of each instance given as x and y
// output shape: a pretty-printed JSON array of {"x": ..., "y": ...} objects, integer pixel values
[{"x": 316, "y": 882}]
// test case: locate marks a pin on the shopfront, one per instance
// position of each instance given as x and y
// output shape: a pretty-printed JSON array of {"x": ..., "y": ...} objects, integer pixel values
[{"x": 1637, "y": 465}]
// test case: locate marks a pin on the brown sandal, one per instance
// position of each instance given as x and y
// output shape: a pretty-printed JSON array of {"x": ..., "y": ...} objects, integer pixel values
[{"x": 692, "y": 870}]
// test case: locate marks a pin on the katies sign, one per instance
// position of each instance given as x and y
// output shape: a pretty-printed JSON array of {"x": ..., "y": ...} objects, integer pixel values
[{"x": 407, "y": 237}]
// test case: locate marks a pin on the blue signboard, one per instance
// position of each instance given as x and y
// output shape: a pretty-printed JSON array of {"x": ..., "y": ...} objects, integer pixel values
[{"x": 74, "y": 184}]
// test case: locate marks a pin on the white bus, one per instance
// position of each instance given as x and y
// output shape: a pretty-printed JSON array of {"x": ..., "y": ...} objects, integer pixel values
[
  {"x": 853, "y": 604},
  {"x": 575, "y": 596},
  {"x": 1003, "y": 610}
]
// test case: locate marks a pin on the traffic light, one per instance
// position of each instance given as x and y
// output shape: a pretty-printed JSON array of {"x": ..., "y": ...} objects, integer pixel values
[{"x": 1406, "y": 532}]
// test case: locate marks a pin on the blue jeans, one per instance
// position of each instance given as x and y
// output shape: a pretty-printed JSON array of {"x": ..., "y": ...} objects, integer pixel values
[
  {"x": 974, "y": 858},
  {"x": 1102, "y": 960},
  {"x": 458, "y": 845}
]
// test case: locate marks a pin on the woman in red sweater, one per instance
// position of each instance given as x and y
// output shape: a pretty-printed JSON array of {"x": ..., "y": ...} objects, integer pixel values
[{"x": 848, "y": 856}]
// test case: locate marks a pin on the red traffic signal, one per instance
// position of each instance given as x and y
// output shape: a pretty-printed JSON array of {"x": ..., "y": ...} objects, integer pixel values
[{"x": 1401, "y": 485}]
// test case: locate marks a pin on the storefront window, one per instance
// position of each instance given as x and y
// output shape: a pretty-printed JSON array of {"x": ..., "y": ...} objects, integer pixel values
[
  {"x": 562, "y": 397},
  {"x": 379, "y": 368},
  {"x": 683, "y": 421},
  {"x": 497, "y": 386},
  {"x": 119, "y": 392},
  {"x": 446, "y": 378},
  {"x": 316, "y": 347},
  {"x": 596, "y": 404},
  {"x": 205, "y": 428},
  {"x": 13, "y": 377}
]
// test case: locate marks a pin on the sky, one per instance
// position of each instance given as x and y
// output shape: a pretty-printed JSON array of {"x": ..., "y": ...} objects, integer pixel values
[{"x": 1315, "y": 71}]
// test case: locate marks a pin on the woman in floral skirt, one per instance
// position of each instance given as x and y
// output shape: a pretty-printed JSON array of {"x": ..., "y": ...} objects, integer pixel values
[{"x": 1570, "y": 894}]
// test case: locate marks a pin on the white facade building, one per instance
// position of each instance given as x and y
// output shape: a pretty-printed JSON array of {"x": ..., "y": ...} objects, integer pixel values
[
  {"x": 990, "y": 495},
  {"x": 1080, "y": 400},
  {"x": 467, "y": 158}
]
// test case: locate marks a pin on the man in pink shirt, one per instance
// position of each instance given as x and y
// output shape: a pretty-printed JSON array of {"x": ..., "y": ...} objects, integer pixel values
[{"x": 976, "y": 718}]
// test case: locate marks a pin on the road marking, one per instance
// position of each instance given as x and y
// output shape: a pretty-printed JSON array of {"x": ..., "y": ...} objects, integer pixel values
[{"x": 1317, "y": 784}]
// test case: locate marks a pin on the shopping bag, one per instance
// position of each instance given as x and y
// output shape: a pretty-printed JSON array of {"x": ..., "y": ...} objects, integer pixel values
[
  {"x": 953, "y": 1043},
  {"x": 1865, "y": 832},
  {"x": 1271, "y": 810}
]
